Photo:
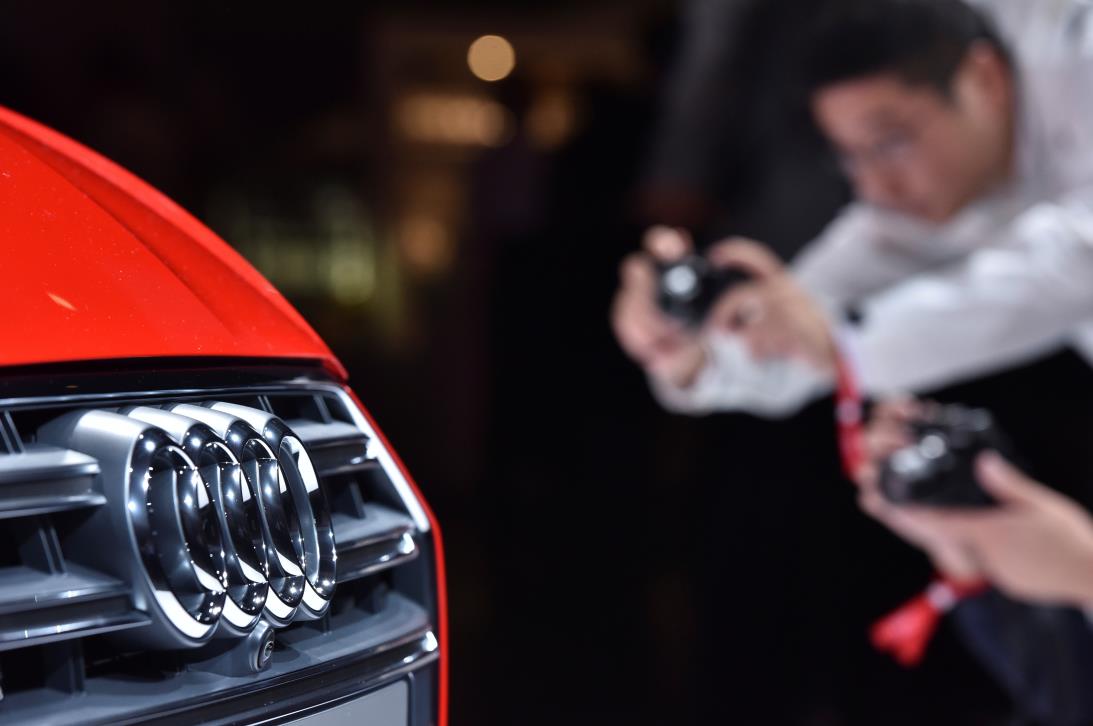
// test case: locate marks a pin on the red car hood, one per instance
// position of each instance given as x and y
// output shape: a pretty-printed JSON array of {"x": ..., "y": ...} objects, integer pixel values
[{"x": 97, "y": 265}]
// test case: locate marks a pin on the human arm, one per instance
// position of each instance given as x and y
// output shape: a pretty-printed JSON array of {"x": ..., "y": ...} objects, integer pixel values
[
  {"x": 999, "y": 306},
  {"x": 704, "y": 370},
  {"x": 1036, "y": 545}
]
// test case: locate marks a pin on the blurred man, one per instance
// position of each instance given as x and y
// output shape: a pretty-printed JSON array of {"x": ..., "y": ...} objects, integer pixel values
[{"x": 969, "y": 247}]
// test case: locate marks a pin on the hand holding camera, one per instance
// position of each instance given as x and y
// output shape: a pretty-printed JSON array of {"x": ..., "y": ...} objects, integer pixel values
[
  {"x": 937, "y": 480},
  {"x": 937, "y": 468},
  {"x": 665, "y": 346},
  {"x": 687, "y": 288},
  {"x": 671, "y": 298},
  {"x": 923, "y": 463}
]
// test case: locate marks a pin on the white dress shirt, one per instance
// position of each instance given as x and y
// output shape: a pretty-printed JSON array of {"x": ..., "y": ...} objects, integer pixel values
[{"x": 1008, "y": 279}]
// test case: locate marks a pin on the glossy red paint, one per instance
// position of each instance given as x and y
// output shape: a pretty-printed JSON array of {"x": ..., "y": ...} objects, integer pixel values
[
  {"x": 98, "y": 265},
  {"x": 441, "y": 575}
]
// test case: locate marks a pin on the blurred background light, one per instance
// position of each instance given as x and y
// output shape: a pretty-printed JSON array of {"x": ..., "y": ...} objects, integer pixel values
[
  {"x": 552, "y": 119},
  {"x": 491, "y": 58},
  {"x": 448, "y": 118},
  {"x": 426, "y": 244}
]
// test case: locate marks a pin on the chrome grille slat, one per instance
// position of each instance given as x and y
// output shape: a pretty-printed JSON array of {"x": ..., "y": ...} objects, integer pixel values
[
  {"x": 45, "y": 479},
  {"x": 380, "y": 540},
  {"x": 22, "y": 587},
  {"x": 369, "y": 650},
  {"x": 335, "y": 447},
  {"x": 38, "y": 607}
]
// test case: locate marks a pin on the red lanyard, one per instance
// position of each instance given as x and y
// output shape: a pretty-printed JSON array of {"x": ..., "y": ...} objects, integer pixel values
[
  {"x": 906, "y": 631},
  {"x": 849, "y": 418}
]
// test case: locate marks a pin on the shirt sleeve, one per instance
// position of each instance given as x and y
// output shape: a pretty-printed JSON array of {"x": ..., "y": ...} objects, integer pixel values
[
  {"x": 1042, "y": 32},
  {"x": 834, "y": 268},
  {"x": 999, "y": 306},
  {"x": 733, "y": 381}
]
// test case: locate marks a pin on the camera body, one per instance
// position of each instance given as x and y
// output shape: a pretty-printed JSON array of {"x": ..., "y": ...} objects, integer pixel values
[
  {"x": 688, "y": 287},
  {"x": 938, "y": 469}
]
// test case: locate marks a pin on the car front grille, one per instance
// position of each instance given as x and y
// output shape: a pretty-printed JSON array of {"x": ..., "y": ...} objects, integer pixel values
[{"x": 132, "y": 589}]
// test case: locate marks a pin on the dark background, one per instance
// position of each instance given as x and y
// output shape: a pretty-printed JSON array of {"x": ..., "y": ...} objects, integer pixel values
[{"x": 456, "y": 243}]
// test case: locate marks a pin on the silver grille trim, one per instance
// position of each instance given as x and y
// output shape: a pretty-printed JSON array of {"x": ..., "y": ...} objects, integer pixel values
[
  {"x": 383, "y": 539},
  {"x": 305, "y": 501},
  {"x": 291, "y": 530},
  {"x": 45, "y": 479},
  {"x": 151, "y": 532},
  {"x": 40, "y": 608},
  {"x": 379, "y": 452},
  {"x": 56, "y": 493},
  {"x": 214, "y": 515},
  {"x": 245, "y": 563}
]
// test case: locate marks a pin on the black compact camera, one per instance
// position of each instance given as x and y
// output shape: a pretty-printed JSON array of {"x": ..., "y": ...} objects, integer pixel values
[
  {"x": 688, "y": 288},
  {"x": 938, "y": 469}
]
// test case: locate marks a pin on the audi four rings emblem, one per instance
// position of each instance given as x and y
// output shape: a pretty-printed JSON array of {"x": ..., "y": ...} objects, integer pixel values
[{"x": 215, "y": 517}]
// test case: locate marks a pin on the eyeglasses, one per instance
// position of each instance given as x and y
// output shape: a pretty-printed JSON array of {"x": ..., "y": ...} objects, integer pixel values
[{"x": 892, "y": 151}]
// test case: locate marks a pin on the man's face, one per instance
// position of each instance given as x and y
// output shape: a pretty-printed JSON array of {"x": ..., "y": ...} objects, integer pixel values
[{"x": 915, "y": 150}]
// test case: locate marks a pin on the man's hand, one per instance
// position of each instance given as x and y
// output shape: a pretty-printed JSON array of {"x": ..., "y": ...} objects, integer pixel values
[
  {"x": 950, "y": 555},
  {"x": 664, "y": 347},
  {"x": 772, "y": 313},
  {"x": 1037, "y": 546},
  {"x": 887, "y": 432}
]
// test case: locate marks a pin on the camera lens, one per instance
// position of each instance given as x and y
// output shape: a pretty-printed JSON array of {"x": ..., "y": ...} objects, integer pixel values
[{"x": 681, "y": 281}]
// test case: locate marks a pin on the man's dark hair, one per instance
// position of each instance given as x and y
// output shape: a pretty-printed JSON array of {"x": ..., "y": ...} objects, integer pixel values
[{"x": 918, "y": 41}]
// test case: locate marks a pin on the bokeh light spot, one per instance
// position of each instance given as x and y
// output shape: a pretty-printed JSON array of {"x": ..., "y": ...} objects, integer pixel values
[{"x": 491, "y": 58}]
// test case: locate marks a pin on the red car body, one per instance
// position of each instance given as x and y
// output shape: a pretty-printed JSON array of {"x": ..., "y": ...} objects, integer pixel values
[{"x": 97, "y": 262}]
